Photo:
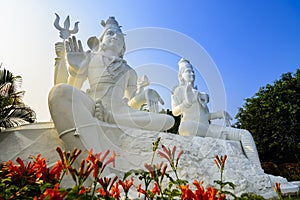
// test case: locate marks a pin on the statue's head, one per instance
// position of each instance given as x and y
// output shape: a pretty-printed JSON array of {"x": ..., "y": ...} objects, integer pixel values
[
  {"x": 112, "y": 37},
  {"x": 185, "y": 72}
]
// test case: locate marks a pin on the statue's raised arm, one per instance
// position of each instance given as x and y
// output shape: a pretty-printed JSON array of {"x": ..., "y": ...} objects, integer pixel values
[
  {"x": 61, "y": 74},
  {"x": 78, "y": 61}
]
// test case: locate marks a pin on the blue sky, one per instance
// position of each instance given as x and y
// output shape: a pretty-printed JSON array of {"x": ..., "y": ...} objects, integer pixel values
[{"x": 251, "y": 43}]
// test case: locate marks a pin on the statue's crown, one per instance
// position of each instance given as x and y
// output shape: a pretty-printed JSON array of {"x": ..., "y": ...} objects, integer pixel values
[
  {"x": 183, "y": 63},
  {"x": 111, "y": 22}
]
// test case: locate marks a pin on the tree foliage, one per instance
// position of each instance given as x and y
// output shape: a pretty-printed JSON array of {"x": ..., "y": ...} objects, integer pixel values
[
  {"x": 13, "y": 112},
  {"x": 272, "y": 115}
]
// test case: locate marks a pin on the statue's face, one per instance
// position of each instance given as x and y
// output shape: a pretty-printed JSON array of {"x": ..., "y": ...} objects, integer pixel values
[
  {"x": 113, "y": 40},
  {"x": 188, "y": 74}
]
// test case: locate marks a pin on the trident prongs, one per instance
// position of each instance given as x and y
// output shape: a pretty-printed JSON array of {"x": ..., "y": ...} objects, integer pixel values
[{"x": 64, "y": 32}]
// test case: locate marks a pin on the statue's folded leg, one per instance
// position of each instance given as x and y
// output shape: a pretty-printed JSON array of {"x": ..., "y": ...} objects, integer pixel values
[
  {"x": 247, "y": 142},
  {"x": 73, "y": 111},
  {"x": 69, "y": 107},
  {"x": 143, "y": 120}
]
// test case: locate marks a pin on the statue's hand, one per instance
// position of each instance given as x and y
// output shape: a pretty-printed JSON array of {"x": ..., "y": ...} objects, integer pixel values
[
  {"x": 60, "y": 50},
  {"x": 186, "y": 104},
  {"x": 226, "y": 116},
  {"x": 189, "y": 97},
  {"x": 203, "y": 97},
  {"x": 77, "y": 58},
  {"x": 152, "y": 99},
  {"x": 99, "y": 110}
]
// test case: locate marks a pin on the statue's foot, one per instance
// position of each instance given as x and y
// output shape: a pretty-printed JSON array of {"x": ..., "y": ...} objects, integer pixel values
[{"x": 99, "y": 110}]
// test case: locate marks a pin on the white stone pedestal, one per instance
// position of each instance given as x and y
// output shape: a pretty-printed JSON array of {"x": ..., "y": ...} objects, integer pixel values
[{"x": 134, "y": 148}]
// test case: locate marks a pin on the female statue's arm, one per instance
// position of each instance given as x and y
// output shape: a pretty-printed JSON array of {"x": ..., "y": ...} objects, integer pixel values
[
  {"x": 221, "y": 115},
  {"x": 179, "y": 102},
  {"x": 176, "y": 106},
  {"x": 131, "y": 86}
]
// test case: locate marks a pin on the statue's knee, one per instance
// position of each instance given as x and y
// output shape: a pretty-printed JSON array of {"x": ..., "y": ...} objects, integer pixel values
[
  {"x": 170, "y": 121},
  {"x": 60, "y": 92},
  {"x": 246, "y": 135}
]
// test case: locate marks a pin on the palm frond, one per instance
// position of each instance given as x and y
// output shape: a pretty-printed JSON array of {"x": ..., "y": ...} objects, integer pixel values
[
  {"x": 12, "y": 122},
  {"x": 16, "y": 115},
  {"x": 13, "y": 112},
  {"x": 5, "y": 76}
]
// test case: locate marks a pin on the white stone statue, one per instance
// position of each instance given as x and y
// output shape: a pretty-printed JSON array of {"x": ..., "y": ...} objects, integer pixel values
[
  {"x": 113, "y": 83},
  {"x": 146, "y": 96},
  {"x": 195, "y": 121}
]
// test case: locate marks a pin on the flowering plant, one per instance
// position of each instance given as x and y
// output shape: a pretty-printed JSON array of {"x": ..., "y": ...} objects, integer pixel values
[{"x": 35, "y": 180}]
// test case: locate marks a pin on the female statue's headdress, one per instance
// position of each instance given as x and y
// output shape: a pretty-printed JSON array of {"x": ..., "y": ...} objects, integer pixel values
[{"x": 182, "y": 64}]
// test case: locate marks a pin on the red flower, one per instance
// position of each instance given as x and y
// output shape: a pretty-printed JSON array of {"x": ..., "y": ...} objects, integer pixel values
[
  {"x": 18, "y": 172},
  {"x": 97, "y": 161},
  {"x": 111, "y": 159},
  {"x": 114, "y": 191},
  {"x": 81, "y": 168},
  {"x": 187, "y": 194},
  {"x": 277, "y": 188},
  {"x": 211, "y": 193},
  {"x": 72, "y": 172},
  {"x": 67, "y": 158},
  {"x": 220, "y": 162},
  {"x": 15, "y": 170},
  {"x": 166, "y": 155},
  {"x": 173, "y": 151},
  {"x": 61, "y": 155},
  {"x": 105, "y": 182},
  {"x": 102, "y": 192},
  {"x": 170, "y": 156},
  {"x": 222, "y": 196},
  {"x": 150, "y": 169},
  {"x": 83, "y": 190},
  {"x": 56, "y": 171},
  {"x": 178, "y": 157},
  {"x": 200, "y": 191},
  {"x": 141, "y": 191},
  {"x": 53, "y": 193},
  {"x": 104, "y": 155},
  {"x": 156, "y": 189},
  {"x": 41, "y": 166},
  {"x": 163, "y": 171},
  {"x": 126, "y": 184}
]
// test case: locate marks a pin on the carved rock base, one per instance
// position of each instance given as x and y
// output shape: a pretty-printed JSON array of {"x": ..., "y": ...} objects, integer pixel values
[{"x": 134, "y": 148}]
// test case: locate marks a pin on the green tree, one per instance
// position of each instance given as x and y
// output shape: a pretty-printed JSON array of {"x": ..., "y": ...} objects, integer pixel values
[
  {"x": 13, "y": 112},
  {"x": 272, "y": 115}
]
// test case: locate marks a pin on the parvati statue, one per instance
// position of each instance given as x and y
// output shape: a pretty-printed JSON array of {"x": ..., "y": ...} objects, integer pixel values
[{"x": 192, "y": 105}]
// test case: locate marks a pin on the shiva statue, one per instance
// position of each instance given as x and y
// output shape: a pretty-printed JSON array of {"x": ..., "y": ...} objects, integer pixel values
[{"x": 112, "y": 95}]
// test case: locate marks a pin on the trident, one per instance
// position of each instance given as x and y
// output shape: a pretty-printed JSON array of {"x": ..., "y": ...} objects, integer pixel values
[{"x": 65, "y": 33}]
